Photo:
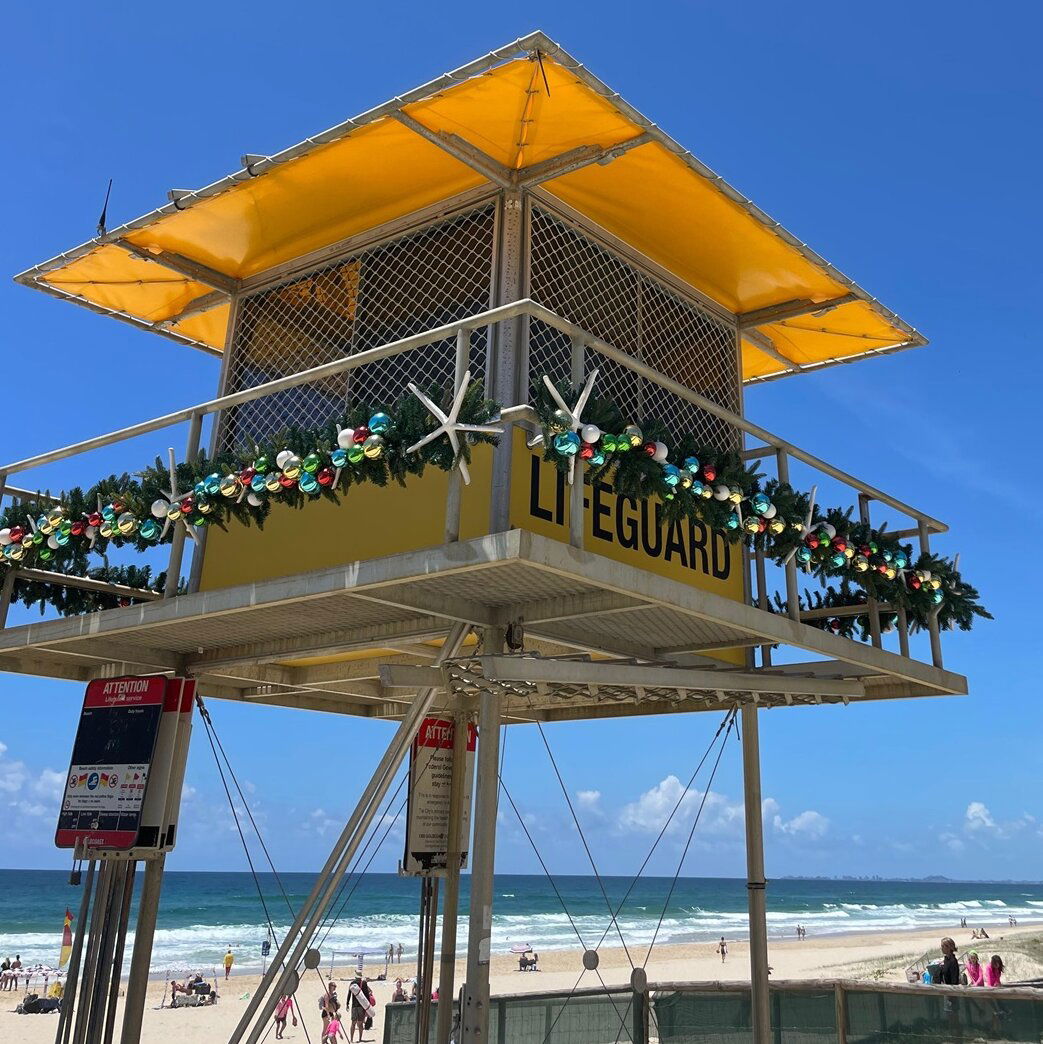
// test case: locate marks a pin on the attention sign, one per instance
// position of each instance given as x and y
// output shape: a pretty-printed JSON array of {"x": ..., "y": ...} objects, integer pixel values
[
  {"x": 111, "y": 760},
  {"x": 430, "y": 783}
]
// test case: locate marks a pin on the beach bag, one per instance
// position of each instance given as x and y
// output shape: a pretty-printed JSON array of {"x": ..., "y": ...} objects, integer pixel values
[{"x": 369, "y": 1022}]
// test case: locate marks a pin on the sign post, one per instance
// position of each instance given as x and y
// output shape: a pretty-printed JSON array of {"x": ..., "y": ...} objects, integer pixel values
[{"x": 429, "y": 802}]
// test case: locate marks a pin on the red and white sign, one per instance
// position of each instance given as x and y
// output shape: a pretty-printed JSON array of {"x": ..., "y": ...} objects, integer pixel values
[
  {"x": 111, "y": 760},
  {"x": 430, "y": 784}
]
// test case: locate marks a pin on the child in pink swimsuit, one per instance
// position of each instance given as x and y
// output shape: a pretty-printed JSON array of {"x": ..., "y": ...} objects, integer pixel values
[
  {"x": 283, "y": 1009},
  {"x": 332, "y": 1031}
]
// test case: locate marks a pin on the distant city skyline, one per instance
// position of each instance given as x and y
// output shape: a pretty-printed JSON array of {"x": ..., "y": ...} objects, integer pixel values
[{"x": 893, "y": 141}]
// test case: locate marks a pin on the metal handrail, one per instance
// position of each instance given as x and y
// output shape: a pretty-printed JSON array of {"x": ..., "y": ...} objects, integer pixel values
[{"x": 524, "y": 306}]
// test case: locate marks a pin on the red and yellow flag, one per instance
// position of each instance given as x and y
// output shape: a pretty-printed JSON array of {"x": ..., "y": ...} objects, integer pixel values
[{"x": 66, "y": 940}]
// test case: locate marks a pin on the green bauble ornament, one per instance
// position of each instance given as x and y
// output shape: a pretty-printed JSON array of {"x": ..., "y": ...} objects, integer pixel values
[
  {"x": 262, "y": 465},
  {"x": 311, "y": 463},
  {"x": 560, "y": 421},
  {"x": 356, "y": 454}
]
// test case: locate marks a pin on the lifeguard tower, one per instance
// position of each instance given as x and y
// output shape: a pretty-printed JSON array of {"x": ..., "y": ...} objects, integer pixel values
[{"x": 511, "y": 221}]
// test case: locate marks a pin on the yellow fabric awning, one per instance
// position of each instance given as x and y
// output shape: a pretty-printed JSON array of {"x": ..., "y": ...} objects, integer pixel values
[{"x": 172, "y": 270}]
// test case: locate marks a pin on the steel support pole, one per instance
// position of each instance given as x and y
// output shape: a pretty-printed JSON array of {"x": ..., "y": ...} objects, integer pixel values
[
  {"x": 6, "y": 593},
  {"x": 96, "y": 1000},
  {"x": 117, "y": 953},
  {"x": 426, "y": 973},
  {"x": 762, "y": 599},
  {"x": 141, "y": 957},
  {"x": 177, "y": 541},
  {"x": 755, "y": 883},
  {"x": 101, "y": 892},
  {"x": 932, "y": 618},
  {"x": 73, "y": 975},
  {"x": 507, "y": 351},
  {"x": 453, "y": 496},
  {"x": 577, "y": 517},
  {"x": 422, "y": 987},
  {"x": 302, "y": 931},
  {"x": 792, "y": 587},
  {"x": 474, "y": 1015},
  {"x": 451, "y": 904},
  {"x": 872, "y": 606}
]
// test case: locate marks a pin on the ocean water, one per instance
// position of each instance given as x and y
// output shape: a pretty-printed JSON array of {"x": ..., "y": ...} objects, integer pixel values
[{"x": 203, "y": 913}]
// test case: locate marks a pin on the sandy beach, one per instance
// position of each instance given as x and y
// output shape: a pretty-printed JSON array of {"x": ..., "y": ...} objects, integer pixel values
[{"x": 874, "y": 956}]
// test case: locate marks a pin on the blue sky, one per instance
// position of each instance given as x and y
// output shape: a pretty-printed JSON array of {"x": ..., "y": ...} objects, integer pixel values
[{"x": 900, "y": 140}]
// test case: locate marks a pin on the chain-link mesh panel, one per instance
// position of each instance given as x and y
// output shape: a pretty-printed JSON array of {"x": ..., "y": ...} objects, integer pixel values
[
  {"x": 420, "y": 281},
  {"x": 586, "y": 283}
]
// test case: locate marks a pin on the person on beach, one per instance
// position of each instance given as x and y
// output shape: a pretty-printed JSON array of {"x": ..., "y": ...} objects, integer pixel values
[
  {"x": 949, "y": 974},
  {"x": 361, "y": 1006},
  {"x": 973, "y": 970},
  {"x": 399, "y": 994},
  {"x": 399, "y": 953},
  {"x": 16, "y": 967},
  {"x": 283, "y": 1010},
  {"x": 229, "y": 961},
  {"x": 722, "y": 949},
  {"x": 994, "y": 970},
  {"x": 5, "y": 974},
  {"x": 332, "y": 1030}
]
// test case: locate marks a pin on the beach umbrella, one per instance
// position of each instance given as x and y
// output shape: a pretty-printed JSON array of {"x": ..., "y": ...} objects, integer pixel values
[{"x": 521, "y": 948}]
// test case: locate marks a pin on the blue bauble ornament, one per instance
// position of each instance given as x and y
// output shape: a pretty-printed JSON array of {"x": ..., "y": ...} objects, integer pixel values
[
  {"x": 697, "y": 488},
  {"x": 567, "y": 443},
  {"x": 149, "y": 529},
  {"x": 61, "y": 538},
  {"x": 199, "y": 489},
  {"x": 837, "y": 559},
  {"x": 339, "y": 458},
  {"x": 804, "y": 554},
  {"x": 212, "y": 485},
  {"x": 901, "y": 560},
  {"x": 760, "y": 503},
  {"x": 733, "y": 521},
  {"x": 257, "y": 483},
  {"x": 597, "y": 459},
  {"x": 308, "y": 482},
  {"x": 691, "y": 465},
  {"x": 108, "y": 513},
  {"x": 886, "y": 555},
  {"x": 379, "y": 423},
  {"x": 671, "y": 474}
]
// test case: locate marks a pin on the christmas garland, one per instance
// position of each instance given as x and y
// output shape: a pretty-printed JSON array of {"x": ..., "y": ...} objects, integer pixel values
[
  {"x": 718, "y": 489},
  {"x": 378, "y": 445},
  {"x": 297, "y": 466}
]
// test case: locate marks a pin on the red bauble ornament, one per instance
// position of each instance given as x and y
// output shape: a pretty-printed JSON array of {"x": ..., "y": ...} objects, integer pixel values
[
  {"x": 361, "y": 434},
  {"x": 649, "y": 448},
  {"x": 882, "y": 568},
  {"x": 246, "y": 475},
  {"x": 78, "y": 527},
  {"x": 839, "y": 544},
  {"x": 762, "y": 525},
  {"x": 94, "y": 519},
  {"x": 835, "y": 625},
  {"x": 286, "y": 482},
  {"x": 586, "y": 451},
  {"x": 325, "y": 477},
  {"x": 188, "y": 505},
  {"x": 16, "y": 534},
  {"x": 812, "y": 541},
  {"x": 118, "y": 506},
  {"x": 914, "y": 582},
  {"x": 709, "y": 472},
  {"x": 866, "y": 550}
]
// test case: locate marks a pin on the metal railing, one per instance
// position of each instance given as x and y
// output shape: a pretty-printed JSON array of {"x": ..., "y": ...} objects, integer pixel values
[
  {"x": 581, "y": 344},
  {"x": 828, "y": 1011}
]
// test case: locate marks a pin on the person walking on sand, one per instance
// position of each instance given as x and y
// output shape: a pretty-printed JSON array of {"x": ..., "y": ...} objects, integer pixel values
[
  {"x": 722, "y": 949},
  {"x": 229, "y": 961},
  {"x": 399, "y": 953},
  {"x": 283, "y": 1010},
  {"x": 332, "y": 1031}
]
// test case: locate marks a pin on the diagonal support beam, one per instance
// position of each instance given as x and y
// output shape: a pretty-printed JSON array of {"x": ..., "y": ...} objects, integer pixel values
[
  {"x": 790, "y": 310},
  {"x": 183, "y": 266},
  {"x": 576, "y": 159},
  {"x": 214, "y": 299},
  {"x": 767, "y": 345},
  {"x": 459, "y": 149}
]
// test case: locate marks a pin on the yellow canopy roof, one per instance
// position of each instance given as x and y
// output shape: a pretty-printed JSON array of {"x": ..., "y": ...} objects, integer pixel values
[{"x": 528, "y": 115}]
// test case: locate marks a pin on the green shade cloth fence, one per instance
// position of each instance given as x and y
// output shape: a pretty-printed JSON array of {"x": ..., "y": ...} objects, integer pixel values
[{"x": 802, "y": 1013}]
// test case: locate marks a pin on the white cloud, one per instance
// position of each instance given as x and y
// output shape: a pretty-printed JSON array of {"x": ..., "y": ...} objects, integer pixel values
[
  {"x": 980, "y": 823},
  {"x": 810, "y": 824},
  {"x": 13, "y": 774},
  {"x": 588, "y": 798},
  {"x": 320, "y": 821},
  {"x": 952, "y": 842}
]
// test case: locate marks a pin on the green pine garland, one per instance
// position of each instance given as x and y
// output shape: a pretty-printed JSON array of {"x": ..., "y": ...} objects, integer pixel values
[
  {"x": 67, "y": 547},
  {"x": 867, "y": 561}
]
